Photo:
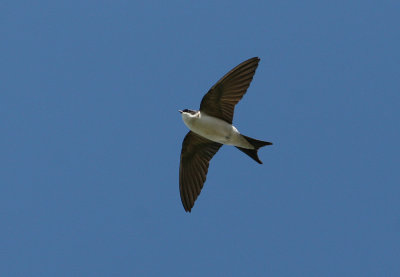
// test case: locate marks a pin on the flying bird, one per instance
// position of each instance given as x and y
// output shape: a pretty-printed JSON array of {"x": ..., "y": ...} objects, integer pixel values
[{"x": 211, "y": 127}]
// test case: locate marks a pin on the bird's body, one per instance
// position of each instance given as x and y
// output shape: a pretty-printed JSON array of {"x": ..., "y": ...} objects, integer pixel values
[
  {"x": 211, "y": 127},
  {"x": 215, "y": 129}
]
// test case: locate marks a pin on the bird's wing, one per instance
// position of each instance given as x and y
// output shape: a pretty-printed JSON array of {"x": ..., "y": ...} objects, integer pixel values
[
  {"x": 221, "y": 99},
  {"x": 195, "y": 158}
]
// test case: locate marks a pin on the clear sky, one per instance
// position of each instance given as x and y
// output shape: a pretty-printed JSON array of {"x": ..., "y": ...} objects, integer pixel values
[{"x": 90, "y": 138}]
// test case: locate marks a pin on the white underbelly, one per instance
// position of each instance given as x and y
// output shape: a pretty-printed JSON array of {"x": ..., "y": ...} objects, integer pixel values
[{"x": 217, "y": 130}]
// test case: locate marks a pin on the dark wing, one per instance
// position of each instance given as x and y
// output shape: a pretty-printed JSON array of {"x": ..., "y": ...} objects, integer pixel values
[
  {"x": 221, "y": 99},
  {"x": 195, "y": 158}
]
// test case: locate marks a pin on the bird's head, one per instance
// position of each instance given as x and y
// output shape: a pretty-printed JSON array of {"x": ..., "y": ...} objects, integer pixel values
[{"x": 189, "y": 114}]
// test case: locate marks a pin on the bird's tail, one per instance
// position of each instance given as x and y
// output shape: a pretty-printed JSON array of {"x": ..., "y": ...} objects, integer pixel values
[{"x": 253, "y": 152}]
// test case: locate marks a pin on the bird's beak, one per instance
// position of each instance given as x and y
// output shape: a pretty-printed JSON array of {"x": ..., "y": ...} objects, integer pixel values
[{"x": 180, "y": 111}]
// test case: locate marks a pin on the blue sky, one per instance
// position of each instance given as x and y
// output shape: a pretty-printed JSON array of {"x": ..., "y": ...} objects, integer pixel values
[{"x": 91, "y": 138}]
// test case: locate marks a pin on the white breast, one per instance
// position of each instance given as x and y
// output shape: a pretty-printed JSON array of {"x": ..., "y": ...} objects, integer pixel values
[{"x": 215, "y": 129}]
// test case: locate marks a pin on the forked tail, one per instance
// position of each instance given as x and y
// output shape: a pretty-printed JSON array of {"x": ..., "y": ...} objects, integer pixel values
[{"x": 253, "y": 152}]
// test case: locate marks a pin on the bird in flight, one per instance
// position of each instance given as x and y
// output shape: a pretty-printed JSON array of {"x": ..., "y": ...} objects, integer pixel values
[{"x": 211, "y": 127}]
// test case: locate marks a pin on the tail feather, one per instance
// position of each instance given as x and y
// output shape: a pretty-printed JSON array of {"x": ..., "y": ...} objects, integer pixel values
[
  {"x": 257, "y": 143},
  {"x": 252, "y": 153}
]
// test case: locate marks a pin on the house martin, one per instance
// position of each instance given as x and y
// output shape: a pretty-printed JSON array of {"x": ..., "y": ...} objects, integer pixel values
[{"x": 211, "y": 127}]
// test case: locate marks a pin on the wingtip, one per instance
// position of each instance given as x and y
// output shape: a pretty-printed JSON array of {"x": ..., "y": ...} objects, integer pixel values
[{"x": 250, "y": 60}]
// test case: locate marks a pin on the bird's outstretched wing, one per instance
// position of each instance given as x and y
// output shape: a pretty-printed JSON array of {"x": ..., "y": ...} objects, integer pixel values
[
  {"x": 221, "y": 99},
  {"x": 195, "y": 158}
]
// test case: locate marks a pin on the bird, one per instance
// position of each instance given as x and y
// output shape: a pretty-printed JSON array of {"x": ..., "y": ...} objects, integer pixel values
[{"x": 211, "y": 127}]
